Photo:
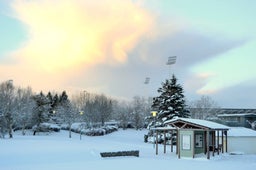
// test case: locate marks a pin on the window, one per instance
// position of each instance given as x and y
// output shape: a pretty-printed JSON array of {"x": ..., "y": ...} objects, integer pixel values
[
  {"x": 199, "y": 141},
  {"x": 186, "y": 142}
]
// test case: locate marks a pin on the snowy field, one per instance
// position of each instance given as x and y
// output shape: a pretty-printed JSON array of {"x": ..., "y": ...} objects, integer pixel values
[{"x": 56, "y": 151}]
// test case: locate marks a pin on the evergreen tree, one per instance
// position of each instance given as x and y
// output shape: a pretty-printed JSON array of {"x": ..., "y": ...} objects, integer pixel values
[
  {"x": 171, "y": 102},
  {"x": 66, "y": 111},
  {"x": 40, "y": 111}
]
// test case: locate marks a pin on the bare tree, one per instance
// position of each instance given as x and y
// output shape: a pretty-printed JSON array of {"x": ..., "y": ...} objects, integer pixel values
[
  {"x": 104, "y": 108},
  {"x": 204, "y": 108},
  {"x": 138, "y": 105},
  {"x": 24, "y": 105},
  {"x": 121, "y": 112},
  {"x": 6, "y": 106},
  {"x": 252, "y": 124}
]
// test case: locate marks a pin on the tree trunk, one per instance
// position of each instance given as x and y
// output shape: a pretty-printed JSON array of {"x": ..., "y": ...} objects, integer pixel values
[
  {"x": 69, "y": 131},
  {"x": 10, "y": 131},
  {"x": 23, "y": 129}
]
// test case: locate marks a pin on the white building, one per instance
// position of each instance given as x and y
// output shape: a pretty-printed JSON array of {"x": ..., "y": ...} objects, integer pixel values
[{"x": 241, "y": 140}]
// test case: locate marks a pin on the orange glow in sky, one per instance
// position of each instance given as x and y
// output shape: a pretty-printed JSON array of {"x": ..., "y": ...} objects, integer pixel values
[
  {"x": 110, "y": 46},
  {"x": 65, "y": 36}
]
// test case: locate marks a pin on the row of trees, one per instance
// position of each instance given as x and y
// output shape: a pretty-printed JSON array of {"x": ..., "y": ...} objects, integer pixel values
[{"x": 21, "y": 108}]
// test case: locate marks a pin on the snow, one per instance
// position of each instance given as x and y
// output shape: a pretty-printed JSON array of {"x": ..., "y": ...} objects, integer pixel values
[
  {"x": 55, "y": 151},
  {"x": 241, "y": 131},
  {"x": 236, "y": 115},
  {"x": 205, "y": 123}
]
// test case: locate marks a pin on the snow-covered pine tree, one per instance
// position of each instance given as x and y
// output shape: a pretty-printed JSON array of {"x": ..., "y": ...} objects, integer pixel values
[
  {"x": 53, "y": 104},
  {"x": 171, "y": 102},
  {"x": 40, "y": 111},
  {"x": 66, "y": 111}
]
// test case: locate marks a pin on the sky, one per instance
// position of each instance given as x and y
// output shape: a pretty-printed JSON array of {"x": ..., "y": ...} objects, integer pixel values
[{"x": 111, "y": 46}]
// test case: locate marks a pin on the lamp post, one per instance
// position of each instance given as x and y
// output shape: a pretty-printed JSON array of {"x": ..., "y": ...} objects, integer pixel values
[
  {"x": 154, "y": 114},
  {"x": 81, "y": 125},
  {"x": 171, "y": 61}
]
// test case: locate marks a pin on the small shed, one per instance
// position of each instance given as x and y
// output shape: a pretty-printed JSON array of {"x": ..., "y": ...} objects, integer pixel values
[
  {"x": 196, "y": 136},
  {"x": 242, "y": 140}
]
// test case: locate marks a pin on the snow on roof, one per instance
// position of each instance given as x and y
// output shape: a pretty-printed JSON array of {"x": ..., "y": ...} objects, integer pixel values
[
  {"x": 236, "y": 115},
  {"x": 205, "y": 123},
  {"x": 241, "y": 131},
  {"x": 163, "y": 128}
]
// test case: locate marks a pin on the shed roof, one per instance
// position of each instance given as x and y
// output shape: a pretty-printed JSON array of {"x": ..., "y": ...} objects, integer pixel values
[
  {"x": 241, "y": 132},
  {"x": 163, "y": 128},
  {"x": 204, "y": 124}
]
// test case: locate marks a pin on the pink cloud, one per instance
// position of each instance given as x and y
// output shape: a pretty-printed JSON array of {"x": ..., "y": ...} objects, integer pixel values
[{"x": 67, "y": 36}]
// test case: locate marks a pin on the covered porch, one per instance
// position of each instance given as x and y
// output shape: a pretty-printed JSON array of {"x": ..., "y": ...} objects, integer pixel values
[{"x": 194, "y": 137}]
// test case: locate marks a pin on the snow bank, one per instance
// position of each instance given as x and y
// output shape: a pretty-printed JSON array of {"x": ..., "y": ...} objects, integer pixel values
[{"x": 58, "y": 152}]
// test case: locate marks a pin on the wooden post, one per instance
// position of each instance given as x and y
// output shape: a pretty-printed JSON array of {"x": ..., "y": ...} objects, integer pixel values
[
  {"x": 172, "y": 141},
  {"x": 213, "y": 142},
  {"x": 164, "y": 141},
  {"x": 156, "y": 142},
  {"x": 178, "y": 143},
  {"x": 193, "y": 146},
  {"x": 222, "y": 142},
  {"x": 218, "y": 142},
  {"x": 207, "y": 143},
  {"x": 226, "y": 132}
]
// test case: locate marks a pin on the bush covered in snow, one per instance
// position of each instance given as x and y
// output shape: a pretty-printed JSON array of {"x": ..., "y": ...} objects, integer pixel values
[
  {"x": 151, "y": 138},
  {"x": 99, "y": 131},
  {"x": 90, "y": 131},
  {"x": 46, "y": 127}
]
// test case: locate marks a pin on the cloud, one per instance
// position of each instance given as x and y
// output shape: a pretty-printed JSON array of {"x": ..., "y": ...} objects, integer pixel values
[
  {"x": 228, "y": 69},
  {"x": 66, "y": 36}
]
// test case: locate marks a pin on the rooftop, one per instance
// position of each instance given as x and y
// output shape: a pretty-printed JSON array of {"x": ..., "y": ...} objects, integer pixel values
[
  {"x": 241, "y": 131},
  {"x": 237, "y": 115},
  {"x": 198, "y": 123}
]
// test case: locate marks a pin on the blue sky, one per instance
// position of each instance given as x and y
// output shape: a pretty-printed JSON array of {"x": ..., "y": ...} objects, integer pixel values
[{"x": 112, "y": 46}]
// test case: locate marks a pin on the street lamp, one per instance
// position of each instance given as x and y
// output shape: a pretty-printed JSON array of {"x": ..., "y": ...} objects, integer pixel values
[
  {"x": 154, "y": 114},
  {"x": 81, "y": 125},
  {"x": 171, "y": 61},
  {"x": 81, "y": 112}
]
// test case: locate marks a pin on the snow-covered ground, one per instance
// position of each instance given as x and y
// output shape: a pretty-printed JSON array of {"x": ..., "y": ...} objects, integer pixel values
[{"x": 57, "y": 152}]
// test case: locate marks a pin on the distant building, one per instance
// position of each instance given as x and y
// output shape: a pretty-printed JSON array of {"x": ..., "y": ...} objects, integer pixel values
[
  {"x": 228, "y": 116},
  {"x": 238, "y": 120}
]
